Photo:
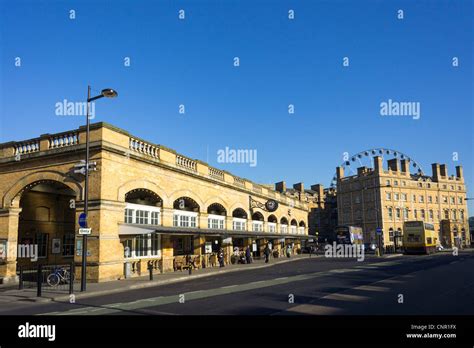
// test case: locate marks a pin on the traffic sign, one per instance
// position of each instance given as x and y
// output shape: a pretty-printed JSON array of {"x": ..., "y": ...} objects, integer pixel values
[
  {"x": 83, "y": 220},
  {"x": 85, "y": 230},
  {"x": 379, "y": 230}
]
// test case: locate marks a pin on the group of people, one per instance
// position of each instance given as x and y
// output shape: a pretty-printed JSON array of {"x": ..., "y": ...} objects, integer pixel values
[{"x": 247, "y": 257}]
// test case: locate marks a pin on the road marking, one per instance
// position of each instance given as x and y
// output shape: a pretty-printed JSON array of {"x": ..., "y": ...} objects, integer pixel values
[
  {"x": 346, "y": 297},
  {"x": 310, "y": 309},
  {"x": 371, "y": 288}
]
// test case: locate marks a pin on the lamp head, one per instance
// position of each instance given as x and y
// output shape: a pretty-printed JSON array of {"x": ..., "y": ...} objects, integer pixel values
[{"x": 109, "y": 93}]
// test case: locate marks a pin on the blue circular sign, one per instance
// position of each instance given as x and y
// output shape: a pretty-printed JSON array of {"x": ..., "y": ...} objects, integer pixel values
[{"x": 83, "y": 220}]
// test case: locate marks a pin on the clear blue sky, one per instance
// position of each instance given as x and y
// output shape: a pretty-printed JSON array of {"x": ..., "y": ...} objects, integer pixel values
[{"x": 283, "y": 62}]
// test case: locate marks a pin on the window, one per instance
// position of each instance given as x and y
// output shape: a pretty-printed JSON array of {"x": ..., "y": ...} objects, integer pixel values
[
  {"x": 141, "y": 245},
  {"x": 423, "y": 214},
  {"x": 430, "y": 199},
  {"x": 404, "y": 183},
  {"x": 396, "y": 196},
  {"x": 238, "y": 224},
  {"x": 415, "y": 213},
  {"x": 155, "y": 244},
  {"x": 459, "y": 200},
  {"x": 428, "y": 185},
  {"x": 404, "y": 197},
  {"x": 413, "y": 198},
  {"x": 272, "y": 227},
  {"x": 421, "y": 199},
  {"x": 452, "y": 187},
  {"x": 461, "y": 215},
  {"x": 459, "y": 188},
  {"x": 388, "y": 196},
  {"x": 390, "y": 213},
  {"x": 444, "y": 187},
  {"x": 129, "y": 216},
  {"x": 395, "y": 182},
  {"x": 357, "y": 199},
  {"x": 41, "y": 239},
  {"x": 445, "y": 199},
  {"x": 155, "y": 217},
  {"x": 390, "y": 235},
  {"x": 387, "y": 182},
  {"x": 455, "y": 215},
  {"x": 436, "y": 199},
  {"x": 293, "y": 229},
  {"x": 257, "y": 226},
  {"x": 405, "y": 213},
  {"x": 283, "y": 228},
  {"x": 142, "y": 217},
  {"x": 452, "y": 200},
  {"x": 184, "y": 219},
  {"x": 431, "y": 216},
  {"x": 398, "y": 213},
  {"x": 420, "y": 184},
  {"x": 215, "y": 223},
  {"x": 68, "y": 244}
]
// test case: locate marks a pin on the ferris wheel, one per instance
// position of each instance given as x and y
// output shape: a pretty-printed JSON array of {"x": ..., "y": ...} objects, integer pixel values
[{"x": 365, "y": 159}]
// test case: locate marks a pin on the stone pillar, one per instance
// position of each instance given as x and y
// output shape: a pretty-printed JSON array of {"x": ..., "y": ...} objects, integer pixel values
[{"x": 9, "y": 219}]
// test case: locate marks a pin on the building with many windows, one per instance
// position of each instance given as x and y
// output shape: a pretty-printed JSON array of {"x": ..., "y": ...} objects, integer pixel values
[
  {"x": 385, "y": 198},
  {"x": 148, "y": 206}
]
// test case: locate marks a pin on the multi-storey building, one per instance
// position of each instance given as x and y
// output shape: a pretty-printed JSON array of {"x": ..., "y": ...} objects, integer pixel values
[
  {"x": 148, "y": 205},
  {"x": 385, "y": 198}
]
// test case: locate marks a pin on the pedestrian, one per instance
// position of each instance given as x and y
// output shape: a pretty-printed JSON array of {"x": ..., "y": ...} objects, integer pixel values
[
  {"x": 288, "y": 251},
  {"x": 267, "y": 252},
  {"x": 248, "y": 255},
  {"x": 221, "y": 257}
]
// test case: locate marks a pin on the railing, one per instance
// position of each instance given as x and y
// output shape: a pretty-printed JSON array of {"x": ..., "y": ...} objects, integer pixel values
[
  {"x": 239, "y": 182},
  {"x": 216, "y": 173},
  {"x": 27, "y": 147},
  {"x": 186, "y": 163},
  {"x": 144, "y": 148},
  {"x": 63, "y": 140}
]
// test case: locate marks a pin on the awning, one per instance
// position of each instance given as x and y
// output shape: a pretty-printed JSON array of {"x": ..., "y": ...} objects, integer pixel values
[
  {"x": 130, "y": 229},
  {"x": 144, "y": 229}
]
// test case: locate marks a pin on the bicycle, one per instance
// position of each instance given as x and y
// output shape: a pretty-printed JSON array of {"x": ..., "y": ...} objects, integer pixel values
[{"x": 59, "y": 275}]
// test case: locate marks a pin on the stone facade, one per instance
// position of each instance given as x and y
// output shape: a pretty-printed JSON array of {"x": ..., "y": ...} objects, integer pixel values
[
  {"x": 44, "y": 166},
  {"x": 378, "y": 197}
]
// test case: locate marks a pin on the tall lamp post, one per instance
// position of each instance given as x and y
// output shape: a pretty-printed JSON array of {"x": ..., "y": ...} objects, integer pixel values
[{"x": 108, "y": 93}]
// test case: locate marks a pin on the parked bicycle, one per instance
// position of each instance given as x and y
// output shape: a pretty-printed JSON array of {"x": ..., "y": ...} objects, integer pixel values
[{"x": 60, "y": 275}]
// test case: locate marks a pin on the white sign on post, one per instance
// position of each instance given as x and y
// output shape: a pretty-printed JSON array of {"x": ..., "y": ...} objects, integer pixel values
[{"x": 85, "y": 230}]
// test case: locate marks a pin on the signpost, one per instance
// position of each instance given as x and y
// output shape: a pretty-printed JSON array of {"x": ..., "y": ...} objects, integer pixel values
[
  {"x": 83, "y": 231},
  {"x": 83, "y": 220}
]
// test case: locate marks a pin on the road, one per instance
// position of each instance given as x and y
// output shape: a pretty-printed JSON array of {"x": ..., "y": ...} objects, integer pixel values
[{"x": 440, "y": 284}]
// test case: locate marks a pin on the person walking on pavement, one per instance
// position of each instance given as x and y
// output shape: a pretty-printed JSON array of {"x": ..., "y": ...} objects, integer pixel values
[
  {"x": 248, "y": 255},
  {"x": 288, "y": 251},
  {"x": 221, "y": 257},
  {"x": 266, "y": 252}
]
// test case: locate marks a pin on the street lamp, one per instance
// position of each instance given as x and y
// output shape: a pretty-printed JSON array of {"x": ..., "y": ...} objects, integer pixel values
[{"x": 108, "y": 93}]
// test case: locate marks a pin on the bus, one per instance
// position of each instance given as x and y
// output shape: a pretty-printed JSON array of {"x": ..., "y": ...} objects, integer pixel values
[
  {"x": 349, "y": 235},
  {"x": 419, "y": 238}
]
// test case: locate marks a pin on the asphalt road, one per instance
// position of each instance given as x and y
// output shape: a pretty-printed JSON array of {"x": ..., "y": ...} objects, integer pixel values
[{"x": 440, "y": 284}]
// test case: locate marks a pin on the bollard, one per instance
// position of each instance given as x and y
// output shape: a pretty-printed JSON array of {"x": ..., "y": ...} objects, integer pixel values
[
  {"x": 190, "y": 269},
  {"x": 20, "y": 284},
  {"x": 39, "y": 280},
  {"x": 150, "y": 268}
]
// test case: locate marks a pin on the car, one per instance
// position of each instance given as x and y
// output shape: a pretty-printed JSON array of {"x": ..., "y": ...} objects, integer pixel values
[{"x": 369, "y": 248}]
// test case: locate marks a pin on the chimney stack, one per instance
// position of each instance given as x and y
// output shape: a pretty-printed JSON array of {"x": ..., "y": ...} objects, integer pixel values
[
  {"x": 280, "y": 186},
  {"x": 340, "y": 173},
  {"x": 393, "y": 164},
  {"x": 459, "y": 172},
  {"x": 378, "y": 164},
  {"x": 443, "y": 170},
  {"x": 405, "y": 166},
  {"x": 299, "y": 187},
  {"x": 436, "y": 172}
]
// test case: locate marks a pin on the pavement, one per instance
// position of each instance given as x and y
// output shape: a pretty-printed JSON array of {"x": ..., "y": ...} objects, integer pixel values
[{"x": 10, "y": 293}]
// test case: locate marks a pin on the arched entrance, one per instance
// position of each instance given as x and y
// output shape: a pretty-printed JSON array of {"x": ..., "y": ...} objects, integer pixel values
[{"x": 46, "y": 223}]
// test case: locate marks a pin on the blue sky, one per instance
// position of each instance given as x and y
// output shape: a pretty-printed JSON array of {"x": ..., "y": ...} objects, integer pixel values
[{"x": 282, "y": 62}]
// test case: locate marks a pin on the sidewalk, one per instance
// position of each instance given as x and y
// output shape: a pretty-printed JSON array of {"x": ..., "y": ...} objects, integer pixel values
[{"x": 12, "y": 294}]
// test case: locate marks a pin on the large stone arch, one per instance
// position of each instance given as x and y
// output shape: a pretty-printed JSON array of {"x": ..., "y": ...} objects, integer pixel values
[
  {"x": 13, "y": 194},
  {"x": 143, "y": 184},
  {"x": 183, "y": 193},
  {"x": 212, "y": 200}
]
